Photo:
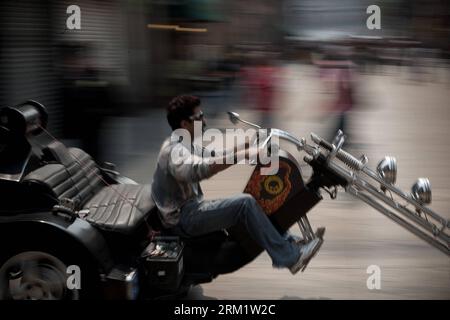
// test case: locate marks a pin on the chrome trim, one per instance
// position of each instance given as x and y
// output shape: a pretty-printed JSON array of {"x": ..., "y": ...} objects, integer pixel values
[
  {"x": 440, "y": 246},
  {"x": 286, "y": 136}
]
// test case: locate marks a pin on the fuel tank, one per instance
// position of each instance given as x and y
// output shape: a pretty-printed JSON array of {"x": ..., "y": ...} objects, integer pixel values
[{"x": 283, "y": 196}]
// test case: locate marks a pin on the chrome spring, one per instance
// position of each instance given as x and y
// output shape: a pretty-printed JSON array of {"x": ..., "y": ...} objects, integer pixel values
[{"x": 349, "y": 160}]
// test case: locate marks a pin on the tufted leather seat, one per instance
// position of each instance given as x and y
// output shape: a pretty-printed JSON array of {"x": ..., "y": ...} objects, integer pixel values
[{"x": 118, "y": 207}]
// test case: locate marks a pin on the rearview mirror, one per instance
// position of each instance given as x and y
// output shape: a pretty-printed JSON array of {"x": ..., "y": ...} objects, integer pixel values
[{"x": 234, "y": 117}]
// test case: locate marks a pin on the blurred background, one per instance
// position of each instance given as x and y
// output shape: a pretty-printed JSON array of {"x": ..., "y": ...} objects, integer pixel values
[
  {"x": 299, "y": 65},
  {"x": 130, "y": 57}
]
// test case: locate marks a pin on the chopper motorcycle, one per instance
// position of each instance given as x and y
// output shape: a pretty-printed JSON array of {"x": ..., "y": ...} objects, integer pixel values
[{"x": 72, "y": 229}]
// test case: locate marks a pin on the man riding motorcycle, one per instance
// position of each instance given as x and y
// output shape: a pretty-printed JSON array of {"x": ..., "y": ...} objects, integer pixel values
[{"x": 177, "y": 193}]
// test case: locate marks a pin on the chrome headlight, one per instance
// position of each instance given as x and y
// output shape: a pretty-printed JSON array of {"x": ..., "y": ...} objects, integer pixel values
[
  {"x": 421, "y": 191},
  {"x": 387, "y": 169}
]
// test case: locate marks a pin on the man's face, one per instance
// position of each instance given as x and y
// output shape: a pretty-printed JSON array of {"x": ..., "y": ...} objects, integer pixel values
[{"x": 197, "y": 115}]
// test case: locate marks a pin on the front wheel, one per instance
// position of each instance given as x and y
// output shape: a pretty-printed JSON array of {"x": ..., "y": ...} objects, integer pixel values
[{"x": 35, "y": 275}]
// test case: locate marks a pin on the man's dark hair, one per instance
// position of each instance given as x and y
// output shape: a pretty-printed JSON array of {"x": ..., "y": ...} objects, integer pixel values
[{"x": 181, "y": 108}]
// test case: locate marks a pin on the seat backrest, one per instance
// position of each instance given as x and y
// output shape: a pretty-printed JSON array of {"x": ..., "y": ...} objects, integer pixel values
[
  {"x": 74, "y": 175},
  {"x": 52, "y": 179}
]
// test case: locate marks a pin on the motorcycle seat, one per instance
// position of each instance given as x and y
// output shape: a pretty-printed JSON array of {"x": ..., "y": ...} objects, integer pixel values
[
  {"x": 120, "y": 207},
  {"x": 72, "y": 174}
]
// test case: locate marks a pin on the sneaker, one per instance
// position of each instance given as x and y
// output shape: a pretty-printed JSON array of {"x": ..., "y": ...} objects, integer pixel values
[
  {"x": 307, "y": 251},
  {"x": 293, "y": 238}
]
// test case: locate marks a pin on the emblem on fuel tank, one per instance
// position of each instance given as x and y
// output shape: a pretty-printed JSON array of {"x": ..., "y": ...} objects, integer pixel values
[
  {"x": 271, "y": 191},
  {"x": 273, "y": 185}
]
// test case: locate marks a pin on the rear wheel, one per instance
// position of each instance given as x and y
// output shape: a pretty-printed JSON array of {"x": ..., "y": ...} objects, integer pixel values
[{"x": 35, "y": 275}]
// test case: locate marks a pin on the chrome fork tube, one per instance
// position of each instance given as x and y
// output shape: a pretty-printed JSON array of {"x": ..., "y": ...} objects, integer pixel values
[
  {"x": 305, "y": 228},
  {"x": 442, "y": 247},
  {"x": 358, "y": 187},
  {"x": 405, "y": 196}
]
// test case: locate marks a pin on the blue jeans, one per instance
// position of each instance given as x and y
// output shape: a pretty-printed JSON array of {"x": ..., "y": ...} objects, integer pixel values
[{"x": 201, "y": 217}]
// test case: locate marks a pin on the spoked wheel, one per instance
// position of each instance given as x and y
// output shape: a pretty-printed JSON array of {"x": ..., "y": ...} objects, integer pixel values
[{"x": 35, "y": 275}]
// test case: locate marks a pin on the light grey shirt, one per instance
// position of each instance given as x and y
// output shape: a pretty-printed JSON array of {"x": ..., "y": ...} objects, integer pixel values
[{"x": 176, "y": 179}]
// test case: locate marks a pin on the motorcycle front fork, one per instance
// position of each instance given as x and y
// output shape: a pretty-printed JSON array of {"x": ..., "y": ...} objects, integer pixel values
[
  {"x": 309, "y": 235},
  {"x": 307, "y": 231}
]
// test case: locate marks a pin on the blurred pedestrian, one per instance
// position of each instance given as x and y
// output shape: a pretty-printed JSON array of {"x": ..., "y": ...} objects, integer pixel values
[
  {"x": 339, "y": 74},
  {"x": 261, "y": 82}
]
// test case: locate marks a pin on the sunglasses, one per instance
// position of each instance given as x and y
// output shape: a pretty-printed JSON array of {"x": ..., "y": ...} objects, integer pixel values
[{"x": 196, "y": 117}]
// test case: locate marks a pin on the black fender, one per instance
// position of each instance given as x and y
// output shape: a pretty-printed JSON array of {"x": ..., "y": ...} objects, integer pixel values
[{"x": 75, "y": 236}]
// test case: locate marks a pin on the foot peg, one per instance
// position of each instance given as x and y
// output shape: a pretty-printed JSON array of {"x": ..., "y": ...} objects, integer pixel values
[
  {"x": 308, "y": 249},
  {"x": 319, "y": 234},
  {"x": 308, "y": 236}
]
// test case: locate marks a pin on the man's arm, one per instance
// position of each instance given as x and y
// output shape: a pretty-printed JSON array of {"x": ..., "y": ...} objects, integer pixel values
[
  {"x": 185, "y": 166},
  {"x": 220, "y": 164},
  {"x": 237, "y": 148}
]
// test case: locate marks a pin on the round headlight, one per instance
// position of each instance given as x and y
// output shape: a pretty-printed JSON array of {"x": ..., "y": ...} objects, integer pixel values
[
  {"x": 421, "y": 191},
  {"x": 387, "y": 169}
]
